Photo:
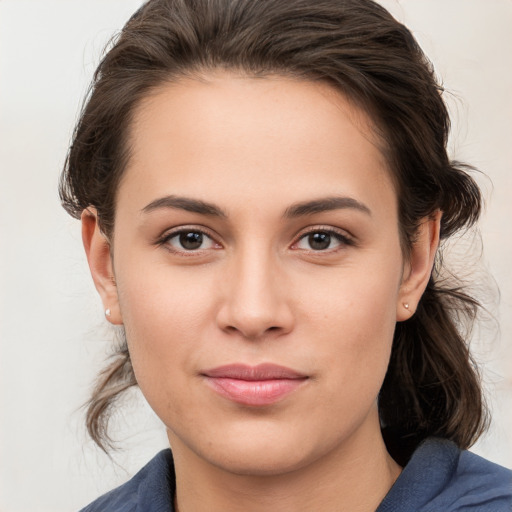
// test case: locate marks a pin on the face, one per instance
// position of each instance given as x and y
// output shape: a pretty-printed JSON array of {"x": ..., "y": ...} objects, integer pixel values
[{"x": 258, "y": 269}]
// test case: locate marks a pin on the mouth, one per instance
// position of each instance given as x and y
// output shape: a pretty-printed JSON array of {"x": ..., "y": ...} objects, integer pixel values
[{"x": 260, "y": 385}]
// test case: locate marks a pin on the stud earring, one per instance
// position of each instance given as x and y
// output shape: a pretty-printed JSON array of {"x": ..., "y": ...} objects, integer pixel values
[
  {"x": 406, "y": 305},
  {"x": 108, "y": 312}
]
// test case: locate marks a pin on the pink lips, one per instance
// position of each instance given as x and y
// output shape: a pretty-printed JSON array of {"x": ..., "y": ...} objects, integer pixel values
[{"x": 259, "y": 385}]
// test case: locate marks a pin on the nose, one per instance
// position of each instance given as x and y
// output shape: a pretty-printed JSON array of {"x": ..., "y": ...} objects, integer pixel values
[{"x": 255, "y": 301}]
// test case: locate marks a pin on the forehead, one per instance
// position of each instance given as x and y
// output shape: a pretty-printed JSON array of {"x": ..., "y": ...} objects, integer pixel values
[{"x": 254, "y": 136}]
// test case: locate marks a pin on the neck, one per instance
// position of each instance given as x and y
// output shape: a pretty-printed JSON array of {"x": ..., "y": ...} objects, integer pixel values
[{"x": 353, "y": 477}]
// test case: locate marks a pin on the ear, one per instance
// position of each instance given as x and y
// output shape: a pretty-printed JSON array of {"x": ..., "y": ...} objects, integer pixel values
[
  {"x": 98, "y": 251},
  {"x": 419, "y": 266}
]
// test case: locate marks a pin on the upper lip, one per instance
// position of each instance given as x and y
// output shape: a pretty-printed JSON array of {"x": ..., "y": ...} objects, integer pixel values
[{"x": 265, "y": 371}]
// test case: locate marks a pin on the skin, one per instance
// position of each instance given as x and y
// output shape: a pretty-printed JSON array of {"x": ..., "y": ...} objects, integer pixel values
[{"x": 257, "y": 291}]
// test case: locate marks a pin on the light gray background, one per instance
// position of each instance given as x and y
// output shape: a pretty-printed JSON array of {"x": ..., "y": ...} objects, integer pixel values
[{"x": 52, "y": 332}]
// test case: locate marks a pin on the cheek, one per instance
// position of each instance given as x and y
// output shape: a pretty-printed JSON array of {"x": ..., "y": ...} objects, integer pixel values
[
  {"x": 358, "y": 298},
  {"x": 164, "y": 316},
  {"x": 354, "y": 317}
]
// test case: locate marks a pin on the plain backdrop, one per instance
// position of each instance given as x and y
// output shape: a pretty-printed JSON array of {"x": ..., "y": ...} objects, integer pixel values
[{"x": 52, "y": 332}]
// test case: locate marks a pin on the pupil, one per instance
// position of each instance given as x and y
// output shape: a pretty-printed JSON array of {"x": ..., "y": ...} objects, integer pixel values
[
  {"x": 191, "y": 240},
  {"x": 319, "y": 241}
]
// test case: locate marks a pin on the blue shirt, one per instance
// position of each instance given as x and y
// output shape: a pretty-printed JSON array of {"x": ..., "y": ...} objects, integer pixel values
[{"x": 438, "y": 478}]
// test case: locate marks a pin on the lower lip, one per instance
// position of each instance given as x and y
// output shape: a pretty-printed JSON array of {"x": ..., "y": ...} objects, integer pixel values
[{"x": 254, "y": 392}]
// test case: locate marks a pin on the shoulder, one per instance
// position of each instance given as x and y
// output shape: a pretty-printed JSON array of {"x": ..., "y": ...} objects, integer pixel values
[
  {"x": 478, "y": 482},
  {"x": 150, "y": 490},
  {"x": 439, "y": 476}
]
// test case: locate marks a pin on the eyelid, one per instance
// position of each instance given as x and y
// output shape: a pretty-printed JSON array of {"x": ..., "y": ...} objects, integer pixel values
[
  {"x": 343, "y": 236},
  {"x": 172, "y": 232}
]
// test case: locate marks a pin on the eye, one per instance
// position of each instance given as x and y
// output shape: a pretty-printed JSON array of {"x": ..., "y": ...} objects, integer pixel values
[
  {"x": 322, "y": 240},
  {"x": 189, "y": 240}
]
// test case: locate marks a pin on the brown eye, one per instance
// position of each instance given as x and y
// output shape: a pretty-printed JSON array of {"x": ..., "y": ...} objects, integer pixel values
[
  {"x": 191, "y": 240},
  {"x": 319, "y": 241},
  {"x": 322, "y": 240}
]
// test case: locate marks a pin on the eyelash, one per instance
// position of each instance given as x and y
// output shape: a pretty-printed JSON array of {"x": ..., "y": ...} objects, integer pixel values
[
  {"x": 167, "y": 237},
  {"x": 342, "y": 238}
]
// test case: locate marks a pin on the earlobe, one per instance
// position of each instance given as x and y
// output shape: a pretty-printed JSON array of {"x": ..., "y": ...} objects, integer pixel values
[
  {"x": 419, "y": 266},
  {"x": 98, "y": 251}
]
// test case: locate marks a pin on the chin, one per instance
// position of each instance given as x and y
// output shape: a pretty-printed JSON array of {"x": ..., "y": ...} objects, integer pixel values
[
  {"x": 255, "y": 461},
  {"x": 263, "y": 448}
]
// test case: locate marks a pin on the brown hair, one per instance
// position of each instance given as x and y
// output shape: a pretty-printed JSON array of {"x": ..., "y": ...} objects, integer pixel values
[{"x": 432, "y": 386}]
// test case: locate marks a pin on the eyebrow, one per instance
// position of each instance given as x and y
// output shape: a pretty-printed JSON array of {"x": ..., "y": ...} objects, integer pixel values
[
  {"x": 185, "y": 203},
  {"x": 295, "y": 210},
  {"x": 325, "y": 204}
]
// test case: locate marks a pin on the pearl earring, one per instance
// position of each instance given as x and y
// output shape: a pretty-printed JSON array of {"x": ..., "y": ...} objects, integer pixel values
[
  {"x": 406, "y": 305},
  {"x": 108, "y": 312}
]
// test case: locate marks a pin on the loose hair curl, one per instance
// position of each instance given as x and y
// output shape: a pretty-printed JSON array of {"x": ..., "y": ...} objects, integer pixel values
[{"x": 432, "y": 386}]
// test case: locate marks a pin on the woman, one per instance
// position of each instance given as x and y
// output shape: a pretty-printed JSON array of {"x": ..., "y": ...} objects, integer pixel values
[{"x": 263, "y": 187}]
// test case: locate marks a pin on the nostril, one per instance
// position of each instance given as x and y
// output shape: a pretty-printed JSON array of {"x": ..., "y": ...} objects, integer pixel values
[
  {"x": 252, "y": 333},
  {"x": 254, "y": 320}
]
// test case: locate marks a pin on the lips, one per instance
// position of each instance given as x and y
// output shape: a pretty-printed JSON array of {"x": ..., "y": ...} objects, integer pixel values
[{"x": 260, "y": 385}]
